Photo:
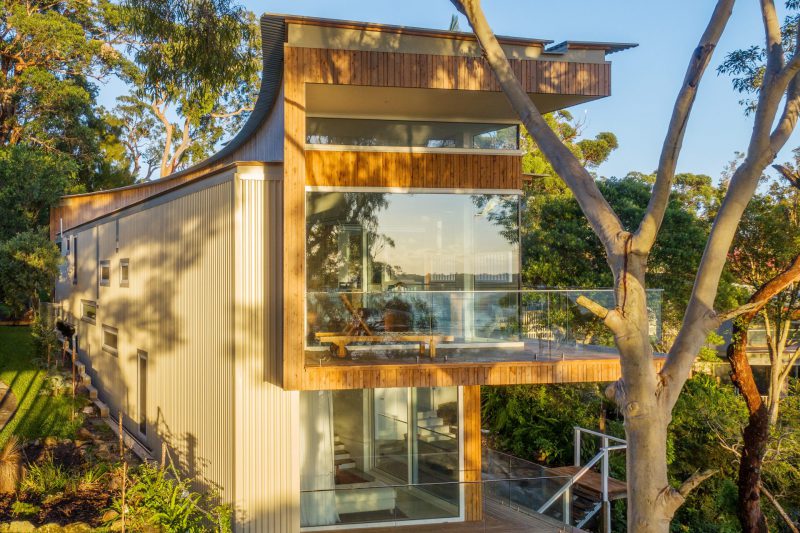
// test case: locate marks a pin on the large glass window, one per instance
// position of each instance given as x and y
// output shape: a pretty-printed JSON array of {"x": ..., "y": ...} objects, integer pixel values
[
  {"x": 435, "y": 267},
  {"x": 374, "y": 242},
  {"x": 418, "y": 134},
  {"x": 380, "y": 455}
]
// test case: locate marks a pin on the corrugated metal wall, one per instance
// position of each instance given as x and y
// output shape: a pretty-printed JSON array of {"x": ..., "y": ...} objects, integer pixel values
[
  {"x": 204, "y": 302},
  {"x": 267, "y": 462},
  {"x": 178, "y": 307}
]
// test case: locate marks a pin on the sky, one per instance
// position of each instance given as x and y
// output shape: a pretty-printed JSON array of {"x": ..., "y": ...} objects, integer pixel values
[{"x": 645, "y": 80}]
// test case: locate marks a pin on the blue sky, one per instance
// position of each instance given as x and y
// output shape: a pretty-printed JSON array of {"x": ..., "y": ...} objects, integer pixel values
[{"x": 645, "y": 80}]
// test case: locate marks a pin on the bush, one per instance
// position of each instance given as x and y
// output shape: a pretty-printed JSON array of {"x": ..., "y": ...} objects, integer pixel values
[
  {"x": 46, "y": 478},
  {"x": 28, "y": 265},
  {"x": 535, "y": 422},
  {"x": 23, "y": 509},
  {"x": 159, "y": 497}
]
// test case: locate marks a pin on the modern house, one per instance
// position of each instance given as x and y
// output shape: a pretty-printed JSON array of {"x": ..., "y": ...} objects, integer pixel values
[{"x": 305, "y": 319}]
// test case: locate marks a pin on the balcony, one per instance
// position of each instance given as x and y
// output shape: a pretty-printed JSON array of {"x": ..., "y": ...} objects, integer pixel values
[
  {"x": 513, "y": 495},
  {"x": 474, "y": 327}
]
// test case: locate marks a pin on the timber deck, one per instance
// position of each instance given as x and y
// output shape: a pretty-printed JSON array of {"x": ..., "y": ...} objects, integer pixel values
[
  {"x": 592, "y": 483},
  {"x": 497, "y": 519}
]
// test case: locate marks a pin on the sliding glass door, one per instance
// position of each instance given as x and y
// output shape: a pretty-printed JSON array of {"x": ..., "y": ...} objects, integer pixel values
[{"x": 381, "y": 455}]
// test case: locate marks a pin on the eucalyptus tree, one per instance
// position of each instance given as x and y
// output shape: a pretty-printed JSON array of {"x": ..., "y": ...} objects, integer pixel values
[
  {"x": 646, "y": 395},
  {"x": 194, "y": 67},
  {"x": 766, "y": 258}
]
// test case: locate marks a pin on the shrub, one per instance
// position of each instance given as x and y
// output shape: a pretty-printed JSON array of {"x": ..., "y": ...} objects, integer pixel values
[
  {"x": 10, "y": 465},
  {"x": 46, "y": 478},
  {"x": 159, "y": 497},
  {"x": 23, "y": 509}
]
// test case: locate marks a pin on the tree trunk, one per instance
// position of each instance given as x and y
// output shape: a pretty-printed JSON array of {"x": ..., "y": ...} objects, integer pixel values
[
  {"x": 755, "y": 434},
  {"x": 646, "y": 464},
  {"x": 650, "y": 497}
]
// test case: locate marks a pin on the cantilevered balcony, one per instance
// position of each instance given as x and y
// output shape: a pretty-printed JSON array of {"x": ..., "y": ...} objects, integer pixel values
[{"x": 444, "y": 327}]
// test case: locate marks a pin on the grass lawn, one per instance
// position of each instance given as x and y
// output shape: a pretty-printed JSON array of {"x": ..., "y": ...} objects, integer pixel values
[{"x": 39, "y": 413}]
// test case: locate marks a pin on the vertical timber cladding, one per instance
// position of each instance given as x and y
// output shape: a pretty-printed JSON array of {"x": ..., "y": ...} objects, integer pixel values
[
  {"x": 420, "y": 170},
  {"x": 473, "y": 500}
]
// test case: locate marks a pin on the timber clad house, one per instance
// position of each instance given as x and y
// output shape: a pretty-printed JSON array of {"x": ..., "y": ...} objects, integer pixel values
[{"x": 305, "y": 318}]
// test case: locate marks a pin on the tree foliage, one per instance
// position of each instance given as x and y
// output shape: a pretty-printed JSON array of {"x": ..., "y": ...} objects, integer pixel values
[
  {"x": 28, "y": 265},
  {"x": 30, "y": 182},
  {"x": 194, "y": 69},
  {"x": 51, "y": 53},
  {"x": 561, "y": 250}
]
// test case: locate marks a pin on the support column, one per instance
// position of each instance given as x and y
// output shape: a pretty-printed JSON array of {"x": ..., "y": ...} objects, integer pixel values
[{"x": 473, "y": 491}]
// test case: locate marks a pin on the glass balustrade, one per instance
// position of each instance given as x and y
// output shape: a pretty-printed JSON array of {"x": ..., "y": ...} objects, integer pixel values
[{"x": 460, "y": 326}]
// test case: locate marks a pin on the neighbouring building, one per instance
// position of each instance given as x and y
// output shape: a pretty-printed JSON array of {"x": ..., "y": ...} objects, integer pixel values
[{"x": 305, "y": 318}]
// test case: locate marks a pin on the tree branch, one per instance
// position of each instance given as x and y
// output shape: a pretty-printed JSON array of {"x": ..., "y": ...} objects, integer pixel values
[
  {"x": 674, "y": 498},
  {"x": 243, "y": 109},
  {"x": 778, "y": 507},
  {"x": 610, "y": 318},
  {"x": 645, "y": 236},
  {"x": 788, "y": 174},
  {"x": 694, "y": 481},
  {"x": 787, "y": 369},
  {"x": 599, "y": 213}
]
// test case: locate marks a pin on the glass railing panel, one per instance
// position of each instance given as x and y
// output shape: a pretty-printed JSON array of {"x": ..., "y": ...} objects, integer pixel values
[
  {"x": 460, "y": 326},
  {"x": 386, "y": 504}
]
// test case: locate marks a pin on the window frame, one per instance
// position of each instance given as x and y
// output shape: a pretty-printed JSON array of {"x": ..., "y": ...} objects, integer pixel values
[
  {"x": 141, "y": 391},
  {"x": 125, "y": 266},
  {"x": 105, "y": 282},
  {"x": 113, "y": 350},
  {"x": 84, "y": 316}
]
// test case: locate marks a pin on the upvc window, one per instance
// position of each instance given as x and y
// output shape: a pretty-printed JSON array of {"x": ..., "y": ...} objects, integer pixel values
[
  {"x": 110, "y": 339},
  {"x": 89, "y": 311},
  {"x": 105, "y": 273},
  {"x": 124, "y": 272}
]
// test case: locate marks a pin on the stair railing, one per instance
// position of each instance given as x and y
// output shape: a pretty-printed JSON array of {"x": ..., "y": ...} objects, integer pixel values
[{"x": 565, "y": 491}]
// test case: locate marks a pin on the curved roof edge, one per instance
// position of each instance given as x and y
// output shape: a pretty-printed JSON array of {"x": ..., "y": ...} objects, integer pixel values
[{"x": 273, "y": 35}]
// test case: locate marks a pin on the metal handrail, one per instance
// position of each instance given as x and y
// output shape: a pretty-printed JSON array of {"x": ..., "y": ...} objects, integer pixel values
[{"x": 566, "y": 490}]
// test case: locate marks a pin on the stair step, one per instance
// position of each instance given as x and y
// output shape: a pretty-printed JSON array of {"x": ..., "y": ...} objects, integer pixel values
[
  {"x": 343, "y": 455},
  {"x": 86, "y": 381},
  {"x": 92, "y": 392},
  {"x": 103, "y": 408},
  {"x": 345, "y": 464},
  {"x": 426, "y": 414},
  {"x": 80, "y": 367},
  {"x": 431, "y": 422}
]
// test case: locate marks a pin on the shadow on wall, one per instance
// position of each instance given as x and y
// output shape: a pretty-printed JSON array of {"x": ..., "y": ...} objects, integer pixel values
[{"x": 178, "y": 309}]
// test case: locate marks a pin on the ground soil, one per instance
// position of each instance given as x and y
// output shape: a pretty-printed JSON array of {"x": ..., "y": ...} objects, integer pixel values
[{"x": 85, "y": 504}]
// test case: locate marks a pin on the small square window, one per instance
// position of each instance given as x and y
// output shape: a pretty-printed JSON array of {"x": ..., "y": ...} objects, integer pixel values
[
  {"x": 110, "y": 339},
  {"x": 105, "y": 273},
  {"x": 89, "y": 311},
  {"x": 124, "y": 272}
]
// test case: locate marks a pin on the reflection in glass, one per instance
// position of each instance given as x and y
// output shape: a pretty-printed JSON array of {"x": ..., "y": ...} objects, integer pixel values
[
  {"x": 379, "y": 455},
  {"x": 420, "y": 134},
  {"x": 373, "y": 242}
]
